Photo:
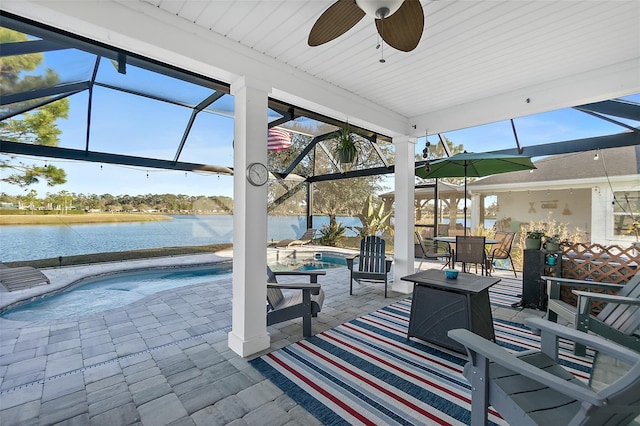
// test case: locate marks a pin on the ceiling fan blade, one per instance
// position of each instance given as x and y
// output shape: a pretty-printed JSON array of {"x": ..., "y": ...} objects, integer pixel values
[
  {"x": 403, "y": 29},
  {"x": 335, "y": 21}
]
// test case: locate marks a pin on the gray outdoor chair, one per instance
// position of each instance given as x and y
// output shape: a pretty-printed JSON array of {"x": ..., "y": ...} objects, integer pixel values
[
  {"x": 21, "y": 277},
  {"x": 470, "y": 250},
  {"x": 373, "y": 264},
  {"x": 305, "y": 238},
  {"x": 502, "y": 250},
  {"x": 437, "y": 250},
  {"x": 532, "y": 387},
  {"x": 619, "y": 320},
  {"x": 303, "y": 301}
]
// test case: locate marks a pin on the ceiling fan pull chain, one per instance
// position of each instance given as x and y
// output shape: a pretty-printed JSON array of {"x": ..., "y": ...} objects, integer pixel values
[{"x": 382, "y": 60}]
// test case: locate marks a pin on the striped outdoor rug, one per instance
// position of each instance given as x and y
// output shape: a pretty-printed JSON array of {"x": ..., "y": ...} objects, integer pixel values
[
  {"x": 366, "y": 372},
  {"x": 507, "y": 292}
]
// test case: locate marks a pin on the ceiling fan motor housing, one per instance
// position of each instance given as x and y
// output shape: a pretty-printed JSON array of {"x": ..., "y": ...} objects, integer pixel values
[{"x": 379, "y": 9}]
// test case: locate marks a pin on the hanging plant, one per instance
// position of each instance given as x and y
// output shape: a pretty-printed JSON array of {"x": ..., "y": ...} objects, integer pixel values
[{"x": 346, "y": 149}]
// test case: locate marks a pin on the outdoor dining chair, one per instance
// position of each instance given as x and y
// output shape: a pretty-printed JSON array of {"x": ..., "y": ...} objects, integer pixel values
[
  {"x": 502, "y": 250},
  {"x": 471, "y": 250},
  {"x": 438, "y": 250}
]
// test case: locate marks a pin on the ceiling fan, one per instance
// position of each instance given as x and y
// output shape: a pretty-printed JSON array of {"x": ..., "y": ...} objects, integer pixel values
[{"x": 399, "y": 22}]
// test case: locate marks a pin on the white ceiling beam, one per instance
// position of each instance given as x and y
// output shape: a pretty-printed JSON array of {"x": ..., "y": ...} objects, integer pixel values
[{"x": 600, "y": 84}]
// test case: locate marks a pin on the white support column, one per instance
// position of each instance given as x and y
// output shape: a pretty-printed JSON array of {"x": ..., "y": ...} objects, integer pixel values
[
  {"x": 476, "y": 205},
  {"x": 248, "y": 334},
  {"x": 405, "y": 180}
]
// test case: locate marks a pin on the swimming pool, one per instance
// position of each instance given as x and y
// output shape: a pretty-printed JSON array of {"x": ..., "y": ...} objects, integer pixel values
[
  {"x": 308, "y": 261},
  {"x": 97, "y": 294}
]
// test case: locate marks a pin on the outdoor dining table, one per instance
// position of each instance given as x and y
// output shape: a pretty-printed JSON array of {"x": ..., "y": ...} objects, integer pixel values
[{"x": 452, "y": 240}]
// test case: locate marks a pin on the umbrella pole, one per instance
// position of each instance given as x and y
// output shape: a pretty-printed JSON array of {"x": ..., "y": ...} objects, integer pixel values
[{"x": 465, "y": 199}]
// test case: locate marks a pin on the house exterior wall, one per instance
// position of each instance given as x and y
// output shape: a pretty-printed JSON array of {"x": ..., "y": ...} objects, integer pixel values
[
  {"x": 588, "y": 208},
  {"x": 569, "y": 206}
]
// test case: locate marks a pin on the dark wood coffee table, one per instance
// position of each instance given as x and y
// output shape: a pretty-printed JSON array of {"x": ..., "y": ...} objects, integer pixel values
[{"x": 440, "y": 305}]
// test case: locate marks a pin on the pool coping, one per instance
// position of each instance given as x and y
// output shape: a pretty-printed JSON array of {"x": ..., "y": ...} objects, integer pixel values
[{"x": 66, "y": 276}]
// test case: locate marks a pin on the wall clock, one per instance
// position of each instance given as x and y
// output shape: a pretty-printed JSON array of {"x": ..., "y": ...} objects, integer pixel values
[{"x": 257, "y": 174}]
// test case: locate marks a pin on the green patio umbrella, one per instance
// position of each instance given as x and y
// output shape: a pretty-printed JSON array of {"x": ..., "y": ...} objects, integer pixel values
[{"x": 472, "y": 164}]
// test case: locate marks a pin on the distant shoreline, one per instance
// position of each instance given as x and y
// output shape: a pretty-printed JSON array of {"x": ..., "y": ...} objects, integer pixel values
[{"x": 60, "y": 219}]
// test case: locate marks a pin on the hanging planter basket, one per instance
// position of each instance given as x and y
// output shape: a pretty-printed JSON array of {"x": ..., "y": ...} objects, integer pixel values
[
  {"x": 346, "y": 150},
  {"x": 346, "y": 156}
]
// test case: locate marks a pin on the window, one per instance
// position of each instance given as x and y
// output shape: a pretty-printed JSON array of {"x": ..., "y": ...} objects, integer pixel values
[{"x": 626, "y": 213}]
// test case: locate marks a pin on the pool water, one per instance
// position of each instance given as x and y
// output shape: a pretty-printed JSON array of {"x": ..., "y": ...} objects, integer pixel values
[
  {"x": 101, "y": 293},
  {"x": 98, "y": 294},
  {"x": 312, "y": 261}
]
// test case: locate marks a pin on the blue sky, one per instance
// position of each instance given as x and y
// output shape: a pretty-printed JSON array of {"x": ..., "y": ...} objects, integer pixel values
[
  {"x": 554, "y": 126},
  {"x": 132, "y": 125},
  {"x": 211, "y": 143}
]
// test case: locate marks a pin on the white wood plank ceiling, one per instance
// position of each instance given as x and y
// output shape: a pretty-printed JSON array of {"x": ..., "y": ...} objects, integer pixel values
[
  {"x": 477, "y": 62},
  {"x": 470, "y": 50}
]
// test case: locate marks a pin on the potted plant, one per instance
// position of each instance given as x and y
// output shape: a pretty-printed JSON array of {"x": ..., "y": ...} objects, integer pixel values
[
  {"x": 533, "y": 241},
  {"x": 346, "y": 149},
  {"x": 552, "y": 244}
]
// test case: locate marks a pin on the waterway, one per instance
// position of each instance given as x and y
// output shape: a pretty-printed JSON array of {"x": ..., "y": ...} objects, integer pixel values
[{"x": 32, "y": 242}]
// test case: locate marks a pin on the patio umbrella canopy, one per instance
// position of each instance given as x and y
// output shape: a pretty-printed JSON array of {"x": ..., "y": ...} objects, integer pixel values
[{"x": 472, "y": 164}]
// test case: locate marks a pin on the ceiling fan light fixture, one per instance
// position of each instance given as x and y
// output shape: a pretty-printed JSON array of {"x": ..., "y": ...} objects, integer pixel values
[
  {"x": 379, "y": 9},
  {"x": 399, "y": 23}
]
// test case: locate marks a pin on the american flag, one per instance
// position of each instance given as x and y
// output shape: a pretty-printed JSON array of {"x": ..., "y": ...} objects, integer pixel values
[{"x": 278, "y": 139}]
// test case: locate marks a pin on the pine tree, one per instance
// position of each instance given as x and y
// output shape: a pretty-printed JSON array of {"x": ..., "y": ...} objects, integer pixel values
[{"x": 19, "y": 74}]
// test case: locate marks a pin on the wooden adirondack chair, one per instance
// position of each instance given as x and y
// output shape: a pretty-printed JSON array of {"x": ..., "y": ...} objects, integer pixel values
[
  {"x": 305, "y": 303},
  {"x": 619, "y": 320},
  {"x": 532, "y": 388},
  {"x": 373, "y": 265}
]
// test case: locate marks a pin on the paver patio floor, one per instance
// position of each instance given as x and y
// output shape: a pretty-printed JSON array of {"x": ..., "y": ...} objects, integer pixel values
[{"x": 163, "y": 360}]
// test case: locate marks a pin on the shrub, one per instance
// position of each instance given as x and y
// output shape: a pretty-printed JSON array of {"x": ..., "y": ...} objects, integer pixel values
[
  {"x": 331, "y": 234},
  {"x": 374, "y": 219},
  {"x": 552, "y": 227}
]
